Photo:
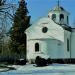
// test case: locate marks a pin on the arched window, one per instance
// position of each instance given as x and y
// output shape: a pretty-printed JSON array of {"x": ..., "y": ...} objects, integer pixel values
[
  {"x": 53, "y": 17},
  {"x": 36, "y": 47},
  {"x": 61, "y": 17}
]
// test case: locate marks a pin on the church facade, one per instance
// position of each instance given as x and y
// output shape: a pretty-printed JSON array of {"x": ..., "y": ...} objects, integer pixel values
[{"x": 51, "y": 36}]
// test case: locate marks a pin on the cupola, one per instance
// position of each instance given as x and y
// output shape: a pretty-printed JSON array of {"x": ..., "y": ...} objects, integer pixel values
[{"x": 59, "y": 15}]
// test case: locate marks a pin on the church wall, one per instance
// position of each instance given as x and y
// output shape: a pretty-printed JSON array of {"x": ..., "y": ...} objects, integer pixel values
[
  {"x": 51, "y": 48},
  {"x": 31, "y": 53},
  {"x": 67, "y": 37},
  {"x": 55, "y": 48},
  {"x": 73, "y": 45},
  {"x": 54, "y": 31},
  {"x": 52, "y": 43}
]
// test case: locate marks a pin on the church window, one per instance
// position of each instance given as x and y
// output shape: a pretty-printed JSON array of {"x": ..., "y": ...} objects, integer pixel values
[
  {"x": 61, "y": 17},
  {"x": 67, "y": 44},
  {"x": 44, "y": 29},
  {"x": 48, "y": 16},
  {"x": 36, "y": 47},
  {"x": 67, "y": 20},
  {"x": 53, "y": 17}
]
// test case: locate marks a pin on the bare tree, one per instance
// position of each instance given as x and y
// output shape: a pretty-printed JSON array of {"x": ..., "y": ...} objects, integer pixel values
[
  {"x": 6, "y": 17},
  {"x": 2, "y": 2}
]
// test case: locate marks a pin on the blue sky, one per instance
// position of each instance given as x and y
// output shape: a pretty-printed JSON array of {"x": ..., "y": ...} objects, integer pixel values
[{"x": 40, "y": 8}]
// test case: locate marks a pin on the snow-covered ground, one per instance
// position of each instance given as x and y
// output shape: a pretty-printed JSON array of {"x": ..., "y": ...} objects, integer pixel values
[{"x": 54, "y": 69}]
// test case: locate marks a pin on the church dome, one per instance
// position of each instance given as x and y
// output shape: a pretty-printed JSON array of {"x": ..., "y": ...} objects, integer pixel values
[{"x": 58, "y": 8}]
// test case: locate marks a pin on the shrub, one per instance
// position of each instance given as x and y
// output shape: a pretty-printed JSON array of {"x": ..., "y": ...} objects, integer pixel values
[
  {"x": 21, "y": 62},
  {"x": 60, "y": 61},
  {"x": 10, "y": 61},
  {"x": 49, "y": 61},
  {"x": 40, "y": 61}
]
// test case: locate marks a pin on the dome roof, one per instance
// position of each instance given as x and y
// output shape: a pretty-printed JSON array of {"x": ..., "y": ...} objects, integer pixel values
[{"x": 59, "y": 8}]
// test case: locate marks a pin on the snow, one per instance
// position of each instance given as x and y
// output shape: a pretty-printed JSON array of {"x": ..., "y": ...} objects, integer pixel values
[
  {"x": 54, "y": 69},
  {"x": 4, "y": 69}
]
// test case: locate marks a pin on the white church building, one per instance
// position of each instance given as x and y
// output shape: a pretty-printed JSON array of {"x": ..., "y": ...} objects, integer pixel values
[{"x": 51, "y": 36}]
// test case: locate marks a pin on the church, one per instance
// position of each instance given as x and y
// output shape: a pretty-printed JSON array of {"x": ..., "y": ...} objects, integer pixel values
[{"x": 51, "y": 36}]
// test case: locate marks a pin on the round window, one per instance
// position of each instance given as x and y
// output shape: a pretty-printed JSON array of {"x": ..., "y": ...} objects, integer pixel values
[{"x": 44, "y": 29}]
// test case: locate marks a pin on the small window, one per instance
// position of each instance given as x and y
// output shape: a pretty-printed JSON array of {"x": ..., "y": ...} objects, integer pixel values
[
  {"x": 48, "y": 16},
  {"x": 44, "y": 29},
  {"x": 67, "y": 44},
  {"x": 61, "y": 17},
  {"x": 36, "y": 47},
  {"x": 67, "y": 20},
  {"x": 53, "y": 17}
]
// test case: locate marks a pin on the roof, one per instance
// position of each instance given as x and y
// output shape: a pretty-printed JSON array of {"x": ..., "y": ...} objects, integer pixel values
[
  {"x": 64, "y": 26},
  {"x": 58, "y": 8}
]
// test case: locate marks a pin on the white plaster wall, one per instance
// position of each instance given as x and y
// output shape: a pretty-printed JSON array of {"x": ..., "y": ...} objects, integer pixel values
[
  {"x": 31, "y": 54},
  {"x": 53, "y": 43},
  {"x": 73, "y": 45},
  {"x": 67, "y": 35},
  {"x": 54, "y": 31},
  {"x": 55, "y": 48},
  {"x": 52, "y": 48}
]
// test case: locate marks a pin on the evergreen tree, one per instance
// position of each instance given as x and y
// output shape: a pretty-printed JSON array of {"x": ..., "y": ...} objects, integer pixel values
[{"x": 21, "y": 23}]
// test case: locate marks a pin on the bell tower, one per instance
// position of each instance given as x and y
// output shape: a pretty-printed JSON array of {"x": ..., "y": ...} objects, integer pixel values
[{"x": 59, "y": 15}]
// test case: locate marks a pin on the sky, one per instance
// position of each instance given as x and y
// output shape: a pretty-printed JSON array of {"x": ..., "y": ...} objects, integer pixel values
[{"x": 41, "y": 8}]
